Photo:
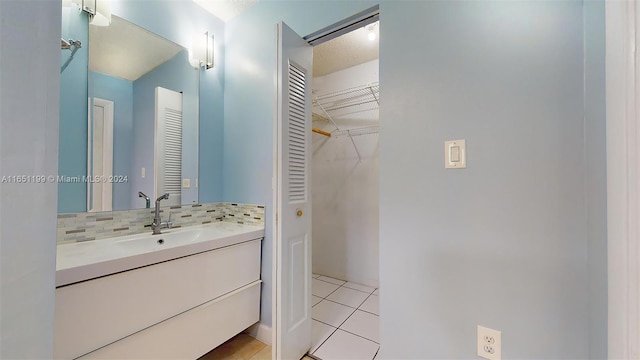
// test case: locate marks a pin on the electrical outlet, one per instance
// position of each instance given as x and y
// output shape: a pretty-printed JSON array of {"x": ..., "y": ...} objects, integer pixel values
[{"x": 489, "y": 343}]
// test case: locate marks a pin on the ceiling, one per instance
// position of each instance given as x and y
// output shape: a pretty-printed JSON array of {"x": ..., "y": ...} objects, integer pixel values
[
  {"x": 225, "y": 9},
  {"x": 127, "y": 51},
  {"x": 348, "y": 50}
]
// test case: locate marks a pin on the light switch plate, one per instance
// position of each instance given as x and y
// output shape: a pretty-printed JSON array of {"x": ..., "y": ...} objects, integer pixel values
[
  {"x": 186, "y": 183},
  {"x": 455, "y": 154}
]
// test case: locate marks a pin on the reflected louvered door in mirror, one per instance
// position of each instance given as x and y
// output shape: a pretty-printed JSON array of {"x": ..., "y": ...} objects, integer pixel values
[
  {"x": 168, "y": 152},
  {"x": 293, "y": 224}
]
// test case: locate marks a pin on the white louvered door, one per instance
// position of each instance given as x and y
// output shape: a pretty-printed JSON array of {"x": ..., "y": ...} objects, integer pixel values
[
  {"x": 293, "y": 227},
  {"x": 168, "y": 151}
]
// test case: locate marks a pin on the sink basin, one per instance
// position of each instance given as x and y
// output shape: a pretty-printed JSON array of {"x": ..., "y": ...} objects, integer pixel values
[
  {"x": 148, "y": 243},
  {"x": 91, "y": 259}
]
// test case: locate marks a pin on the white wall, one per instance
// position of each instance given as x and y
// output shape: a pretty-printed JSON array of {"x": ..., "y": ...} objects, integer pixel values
[
  {"x": 29, "y": 113},
  {"x": 345, "y": 190}
]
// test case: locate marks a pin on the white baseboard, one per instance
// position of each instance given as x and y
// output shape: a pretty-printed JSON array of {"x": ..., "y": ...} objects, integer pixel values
[{"x": 260, "y": 332}]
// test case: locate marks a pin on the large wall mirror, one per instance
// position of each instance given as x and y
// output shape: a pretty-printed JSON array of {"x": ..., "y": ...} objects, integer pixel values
[{"x": 139, "y": 133}]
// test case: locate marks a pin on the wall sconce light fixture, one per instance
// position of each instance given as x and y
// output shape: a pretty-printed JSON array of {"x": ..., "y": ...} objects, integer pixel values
[{"x": 202, "y": 51}]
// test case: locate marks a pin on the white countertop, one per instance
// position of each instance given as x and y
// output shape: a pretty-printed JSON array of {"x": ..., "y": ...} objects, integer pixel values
[{"x": 91, "y": 259}]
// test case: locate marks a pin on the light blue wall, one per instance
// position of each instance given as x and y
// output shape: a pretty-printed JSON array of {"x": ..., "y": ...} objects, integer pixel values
[
  {"x": 175, "y": 74},
  {"x": 73, "y": 113},
  {"x": 178, "y": 21},
  {"x": 502, "y": 243},
  {"x": 249, "y": 105},
  {"x": 596, "y": 187},
  {"x": 119, "y": 91},
  {"x": 211, "y": 135}
]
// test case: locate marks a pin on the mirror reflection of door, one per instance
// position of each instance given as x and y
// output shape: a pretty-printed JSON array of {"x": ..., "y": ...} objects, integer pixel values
[
  {"x": 168, "y": 149},
  {"x": 100, "y": 156}
]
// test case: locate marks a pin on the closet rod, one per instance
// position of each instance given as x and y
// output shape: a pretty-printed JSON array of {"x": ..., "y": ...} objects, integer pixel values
[{"x": 321, "y": 132}]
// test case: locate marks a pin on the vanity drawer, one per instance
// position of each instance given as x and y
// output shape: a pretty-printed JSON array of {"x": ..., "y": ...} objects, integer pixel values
[
  {"x": 191, "y": 334},
  {"x": 95, "y": 313}
]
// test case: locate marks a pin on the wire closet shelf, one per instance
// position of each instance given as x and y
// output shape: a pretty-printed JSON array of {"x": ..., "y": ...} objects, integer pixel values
[
  {"x": 345, "y": 102},
  {"x": 360, "y": 98}
]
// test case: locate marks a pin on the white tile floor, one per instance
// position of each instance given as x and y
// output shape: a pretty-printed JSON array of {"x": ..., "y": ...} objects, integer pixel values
[{"x": 346, "y": 320}]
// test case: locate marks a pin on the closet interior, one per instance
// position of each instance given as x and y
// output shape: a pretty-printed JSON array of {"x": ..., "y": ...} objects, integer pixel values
[{"x": 344, "y": 187}]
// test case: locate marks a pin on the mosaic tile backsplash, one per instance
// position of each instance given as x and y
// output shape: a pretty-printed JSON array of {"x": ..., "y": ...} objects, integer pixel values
[{"x": 94, "y": 226}]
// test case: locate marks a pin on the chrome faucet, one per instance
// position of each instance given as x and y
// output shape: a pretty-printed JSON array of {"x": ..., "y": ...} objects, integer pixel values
[
  {"x": 157, "y": 224},
  {"x": 146, "y": 198}
]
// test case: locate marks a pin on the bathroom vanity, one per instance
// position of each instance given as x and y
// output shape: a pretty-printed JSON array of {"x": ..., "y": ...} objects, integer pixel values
[{"x": 176, "y": 295}]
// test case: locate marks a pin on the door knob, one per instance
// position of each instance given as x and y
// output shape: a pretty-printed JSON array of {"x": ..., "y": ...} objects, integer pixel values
[{"x": 299, "y": 212}]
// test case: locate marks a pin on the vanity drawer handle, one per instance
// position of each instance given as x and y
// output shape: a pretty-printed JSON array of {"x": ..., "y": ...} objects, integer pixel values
[{"x": 299, "y": 212}]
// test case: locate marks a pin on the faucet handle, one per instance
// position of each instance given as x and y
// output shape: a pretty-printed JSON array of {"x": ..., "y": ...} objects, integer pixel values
[{"x": 169, "y": 222}]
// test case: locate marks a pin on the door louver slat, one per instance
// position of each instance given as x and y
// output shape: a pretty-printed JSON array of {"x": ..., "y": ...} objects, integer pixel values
[{"x": 297, "y": 171}]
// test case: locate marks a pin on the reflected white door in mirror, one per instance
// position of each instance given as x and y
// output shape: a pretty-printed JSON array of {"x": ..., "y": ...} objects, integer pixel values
[{"x": 100, "y": 153}]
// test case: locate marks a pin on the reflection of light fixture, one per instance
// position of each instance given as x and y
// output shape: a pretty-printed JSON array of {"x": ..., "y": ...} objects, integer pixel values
[
  {"x": 102, "y": 15},
  {"x": 202, "y": 51},
  {"x": 372, "y": 34},
  {"x": 99, "y": 10}
]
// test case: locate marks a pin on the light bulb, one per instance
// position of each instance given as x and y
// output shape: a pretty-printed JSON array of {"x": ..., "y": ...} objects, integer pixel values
[{"x": 371, "y": 28}]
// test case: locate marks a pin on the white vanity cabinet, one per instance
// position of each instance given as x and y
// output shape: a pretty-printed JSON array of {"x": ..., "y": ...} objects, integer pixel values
[{"x": 176, "y": 309}]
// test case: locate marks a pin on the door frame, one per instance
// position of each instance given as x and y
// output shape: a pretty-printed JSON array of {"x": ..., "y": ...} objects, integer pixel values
[
  {"x": 623, "y": 178},
  {"x": 327, "y": 33}
]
